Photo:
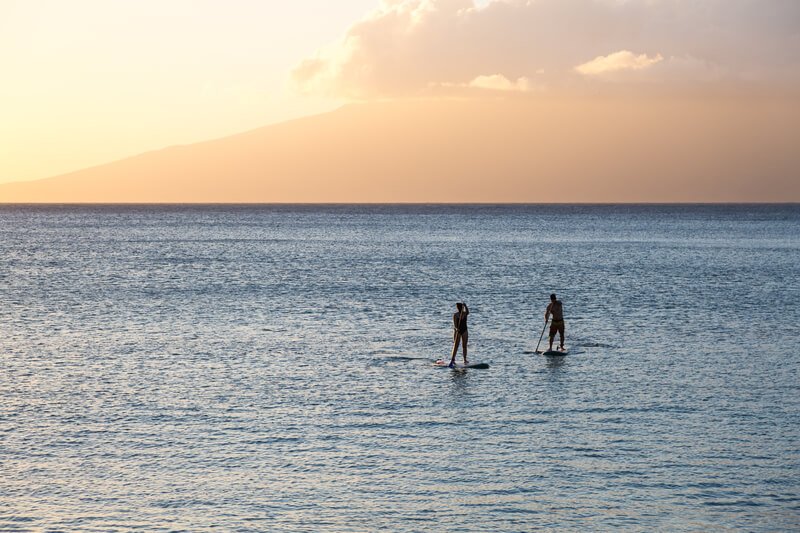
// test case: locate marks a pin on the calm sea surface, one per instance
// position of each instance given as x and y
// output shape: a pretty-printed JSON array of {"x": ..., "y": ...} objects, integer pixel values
[{"x": 268, "y": 368}]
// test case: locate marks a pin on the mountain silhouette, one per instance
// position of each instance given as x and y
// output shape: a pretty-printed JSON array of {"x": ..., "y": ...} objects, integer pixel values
[{"x": 532, "y": 149}]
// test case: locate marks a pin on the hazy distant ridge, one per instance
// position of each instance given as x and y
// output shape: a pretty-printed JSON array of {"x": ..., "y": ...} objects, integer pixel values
[{"x": 545, "y": 150}]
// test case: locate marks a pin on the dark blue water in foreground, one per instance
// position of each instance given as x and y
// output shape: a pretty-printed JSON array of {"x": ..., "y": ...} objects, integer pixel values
[{"x": 269, "y": 368}]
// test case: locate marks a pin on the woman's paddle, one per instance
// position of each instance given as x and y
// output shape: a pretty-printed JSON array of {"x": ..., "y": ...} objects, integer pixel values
[{"x": 541, "y": 336}]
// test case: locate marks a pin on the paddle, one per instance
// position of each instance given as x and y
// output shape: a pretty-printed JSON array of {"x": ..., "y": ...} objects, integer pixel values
[{"x": 541, "y": 336}]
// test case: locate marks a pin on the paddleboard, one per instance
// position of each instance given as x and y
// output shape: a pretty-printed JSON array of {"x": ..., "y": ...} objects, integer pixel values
[
  {"x": 445, "y": 364},
  {"x": 557, "y": 351}
]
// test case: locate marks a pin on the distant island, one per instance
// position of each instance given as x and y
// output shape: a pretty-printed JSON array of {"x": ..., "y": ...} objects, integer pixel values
[{"x": 605, "y": 149}]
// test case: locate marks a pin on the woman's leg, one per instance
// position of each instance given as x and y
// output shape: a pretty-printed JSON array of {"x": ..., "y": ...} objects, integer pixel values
[{"x": 464, "y": 339}]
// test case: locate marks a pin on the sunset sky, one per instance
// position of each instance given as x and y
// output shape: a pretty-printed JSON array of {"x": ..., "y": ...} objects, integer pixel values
[
  {"x": 87, "y": 82},
  {"x": 90, "y": 81}
]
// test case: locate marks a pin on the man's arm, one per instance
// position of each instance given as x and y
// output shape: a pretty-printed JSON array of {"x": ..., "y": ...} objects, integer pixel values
[{"x": 547, "y": 312}]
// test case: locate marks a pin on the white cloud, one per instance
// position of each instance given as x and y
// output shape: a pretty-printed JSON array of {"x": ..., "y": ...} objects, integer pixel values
[
  {"x": 405, "y": 47},
  {"x": 481, "y": 85},
  {"x": 616, "y": 62},
  {"x": 498, "y": 82}
]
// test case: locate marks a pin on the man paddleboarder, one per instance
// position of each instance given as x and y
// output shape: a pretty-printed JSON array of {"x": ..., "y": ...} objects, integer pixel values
[
  {"x": 460, "y": 332},
  {"x": 555, "y": 308}
]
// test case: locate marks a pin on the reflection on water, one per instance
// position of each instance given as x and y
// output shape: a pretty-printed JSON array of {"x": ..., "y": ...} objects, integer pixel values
[
  {"x": 459, "y": 378},
  {"x": 555, "y": 362}
]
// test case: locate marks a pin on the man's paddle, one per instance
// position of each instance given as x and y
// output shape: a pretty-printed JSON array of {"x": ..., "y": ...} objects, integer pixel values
[{"x": 541, "y": 336}]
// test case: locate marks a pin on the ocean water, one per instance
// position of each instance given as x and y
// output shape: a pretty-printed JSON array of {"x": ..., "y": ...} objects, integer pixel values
[{"x": 269, "y": 368}]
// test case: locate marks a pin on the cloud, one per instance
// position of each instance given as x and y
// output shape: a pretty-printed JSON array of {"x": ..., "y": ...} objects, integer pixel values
[
  {"x": 616, "y": 62},
  {"x": 482, "y": 85},
  {"x": 498, "y": 82},
  {"x": 405, "y": 47}
]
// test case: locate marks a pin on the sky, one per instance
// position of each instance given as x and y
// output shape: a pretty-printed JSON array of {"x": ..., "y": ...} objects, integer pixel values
[{"x": 91, "y": 81}]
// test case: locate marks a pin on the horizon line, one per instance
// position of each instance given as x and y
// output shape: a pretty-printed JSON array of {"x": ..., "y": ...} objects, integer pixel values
[{"x": 477, "y": 204}]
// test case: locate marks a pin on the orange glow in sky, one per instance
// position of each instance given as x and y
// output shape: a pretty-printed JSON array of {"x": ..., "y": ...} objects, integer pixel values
[{"x": 644, "y": 100}]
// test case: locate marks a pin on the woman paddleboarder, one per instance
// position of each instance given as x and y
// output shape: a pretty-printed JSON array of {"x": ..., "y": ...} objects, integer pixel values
[{"x": 460, "y": 333}]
